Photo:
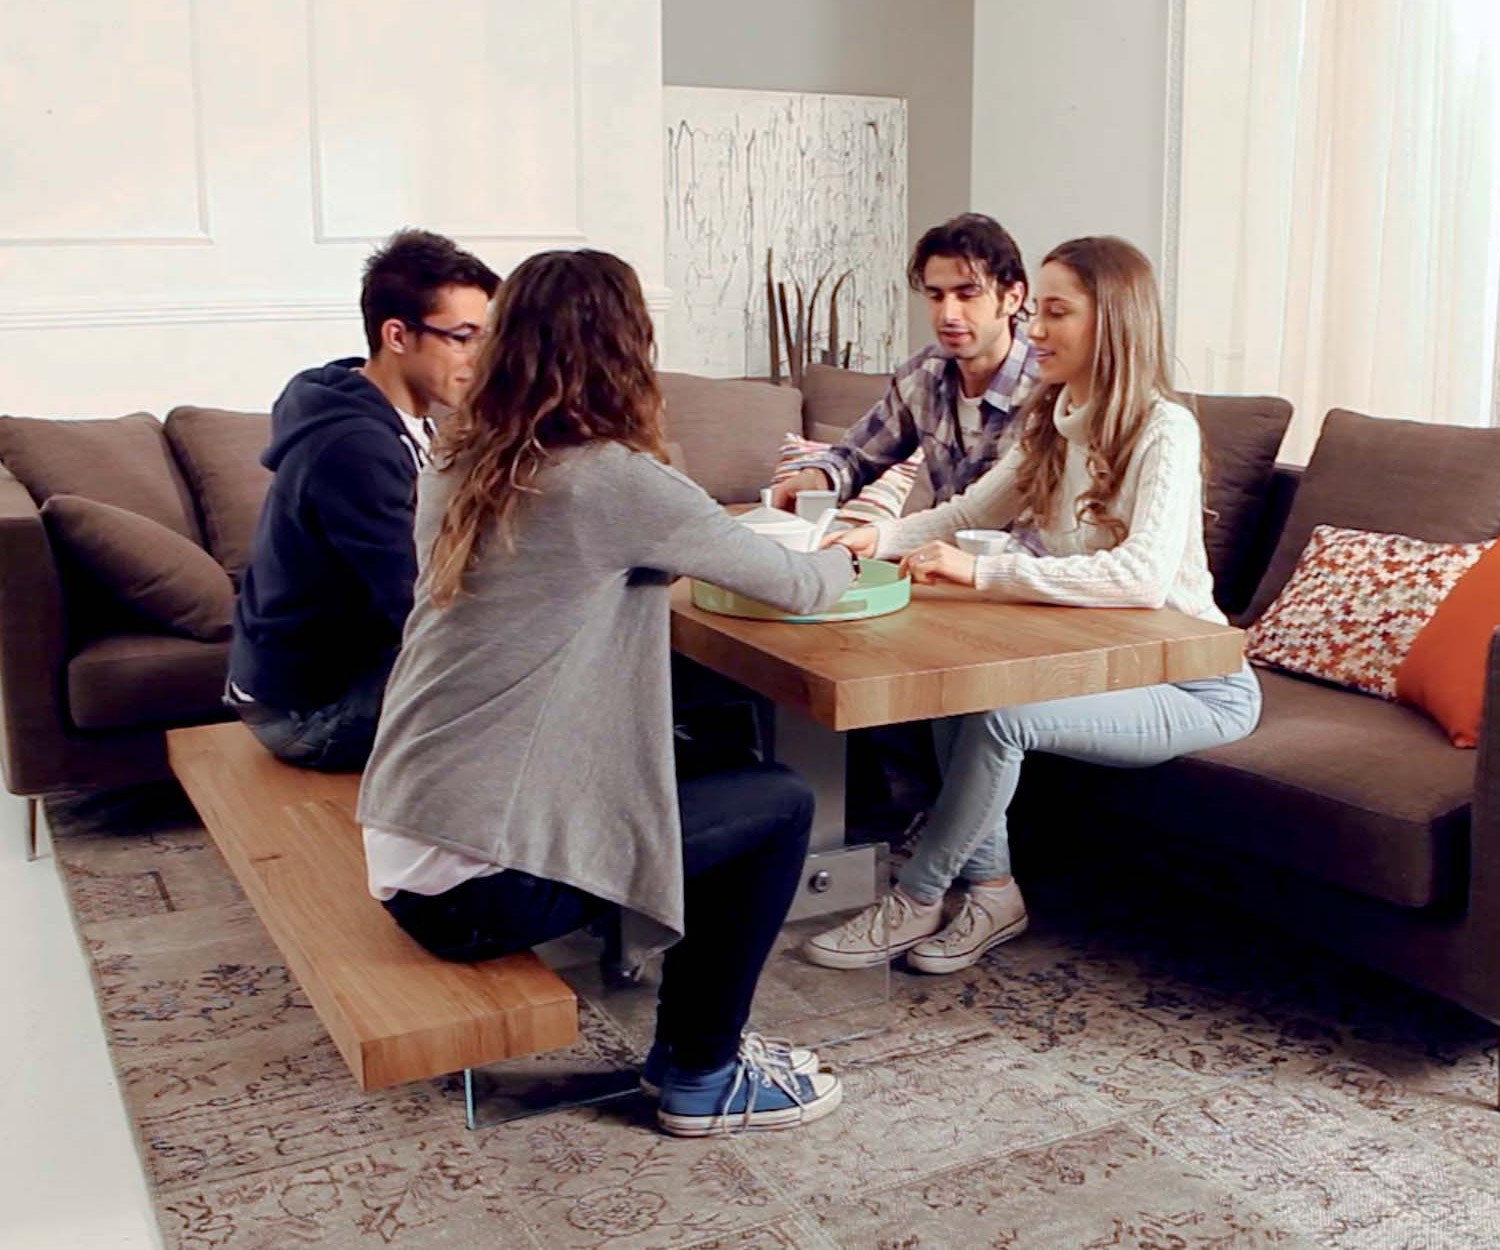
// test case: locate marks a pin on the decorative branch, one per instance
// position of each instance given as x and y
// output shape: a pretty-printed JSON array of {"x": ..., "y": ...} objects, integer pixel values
[
  {"x": 803, "y": 336},
  {"x": 786, "y": 328},
  {"x": 800, "y": 335},
  {"x": 771, "y": 322},
  {"x": 812, "y": 311},
  {"x": 830, "y": 357}
]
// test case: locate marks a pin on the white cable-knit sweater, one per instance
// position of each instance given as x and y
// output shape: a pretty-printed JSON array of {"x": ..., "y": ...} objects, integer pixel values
[{"x": 1160, "y": 563}]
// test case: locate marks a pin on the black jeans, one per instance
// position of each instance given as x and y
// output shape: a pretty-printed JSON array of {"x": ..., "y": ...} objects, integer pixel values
[
  {"x": 744, "y": 839},
  {"x": 336, "y": 737}
]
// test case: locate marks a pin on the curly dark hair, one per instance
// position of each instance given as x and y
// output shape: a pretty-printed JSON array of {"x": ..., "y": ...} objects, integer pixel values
[
  {"x": 570, "y": 360},
  {"x": 402, "y": 279},
  {"x": 982, "y": 242}
]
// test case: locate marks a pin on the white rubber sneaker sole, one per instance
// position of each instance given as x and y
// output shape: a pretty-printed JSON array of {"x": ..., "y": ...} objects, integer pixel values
[
  {"x": 845, "y": 960},
  {"x": 806, "y": 1067},
  {"x": 939, "y": 964},
  {"x": 828, "y": 1094}
]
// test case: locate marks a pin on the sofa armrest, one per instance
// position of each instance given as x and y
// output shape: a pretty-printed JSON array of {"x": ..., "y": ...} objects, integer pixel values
[
  {"x": 1484, "y": 821},
  {"x": 33, "y": 646}
]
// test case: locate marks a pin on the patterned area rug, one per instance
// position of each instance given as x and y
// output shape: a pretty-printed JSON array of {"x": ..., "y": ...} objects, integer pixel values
[{"x": 1113, "y": 1079}]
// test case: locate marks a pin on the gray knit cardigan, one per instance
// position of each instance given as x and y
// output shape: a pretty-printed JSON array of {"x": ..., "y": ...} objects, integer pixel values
[{"x": 530, "y": 723}]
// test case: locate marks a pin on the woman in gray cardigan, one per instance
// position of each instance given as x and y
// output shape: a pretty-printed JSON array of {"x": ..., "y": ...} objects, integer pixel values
[{"x": 523, "y": 778}]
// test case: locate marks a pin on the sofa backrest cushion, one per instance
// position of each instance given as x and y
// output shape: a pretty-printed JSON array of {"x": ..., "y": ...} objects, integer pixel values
[
  {"x": 729, "y": 430},
  {"x": 1241, "y": 435},
  {"x": 122, "y": 461},
  {"x": 1440, "y": 483},
  {"x": 834, "y": 399},
  {"x": 152, "y": 571},
  {"x": 219, "y": 452}
]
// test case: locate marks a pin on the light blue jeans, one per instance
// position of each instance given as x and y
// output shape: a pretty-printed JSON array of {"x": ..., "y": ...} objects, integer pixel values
[{"x": 965, "y": 835}]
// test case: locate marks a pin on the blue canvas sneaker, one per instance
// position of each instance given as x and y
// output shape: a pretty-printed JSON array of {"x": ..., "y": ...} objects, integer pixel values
[
  {"x": 774, "y": 1051},
  {"x": 747, "y": 1094}
]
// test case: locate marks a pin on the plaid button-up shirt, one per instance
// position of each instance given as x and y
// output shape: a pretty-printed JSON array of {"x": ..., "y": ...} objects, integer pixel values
[{"x": 920, "y": 410}]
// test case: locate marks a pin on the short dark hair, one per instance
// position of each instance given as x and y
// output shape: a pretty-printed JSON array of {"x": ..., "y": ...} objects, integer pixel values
[
  {"x": 981, "y": 241},
  {"x": 402, "y": 279}
]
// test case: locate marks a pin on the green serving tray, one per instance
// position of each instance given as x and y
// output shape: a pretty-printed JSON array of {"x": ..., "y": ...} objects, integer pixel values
[{"x": 878, "y": 591}]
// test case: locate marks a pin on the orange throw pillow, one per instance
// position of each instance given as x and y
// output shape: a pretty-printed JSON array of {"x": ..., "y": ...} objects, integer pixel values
[{"x": 1444, "y": 671}]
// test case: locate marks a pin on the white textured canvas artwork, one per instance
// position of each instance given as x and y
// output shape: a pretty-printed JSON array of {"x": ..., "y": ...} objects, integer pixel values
[{"x": 819, "y": 179}]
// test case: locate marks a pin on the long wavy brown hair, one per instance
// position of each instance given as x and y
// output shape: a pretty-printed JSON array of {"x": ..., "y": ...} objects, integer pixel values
[
  {"x": 570, "y": 359},
  {"x": 1129, "y": 376}
]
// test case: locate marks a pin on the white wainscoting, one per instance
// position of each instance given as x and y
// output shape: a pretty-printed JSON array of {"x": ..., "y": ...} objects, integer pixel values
[{"x": 188, "y": 188}]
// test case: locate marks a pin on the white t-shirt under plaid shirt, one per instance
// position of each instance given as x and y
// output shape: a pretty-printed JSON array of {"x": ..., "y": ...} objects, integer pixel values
[{"x": 920, "y": 409}]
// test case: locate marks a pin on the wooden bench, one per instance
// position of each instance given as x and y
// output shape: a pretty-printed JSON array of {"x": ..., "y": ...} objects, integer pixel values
[{"x": 396, "y": 1012}]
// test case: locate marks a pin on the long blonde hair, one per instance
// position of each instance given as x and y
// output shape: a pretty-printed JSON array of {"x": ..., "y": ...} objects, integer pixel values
[
  {"x": 1129, "y": 376},
  {"x": 570, "y": 360}
]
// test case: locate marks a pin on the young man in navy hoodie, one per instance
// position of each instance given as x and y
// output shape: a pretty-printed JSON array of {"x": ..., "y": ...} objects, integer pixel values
[{"x": 323, "y": 601}]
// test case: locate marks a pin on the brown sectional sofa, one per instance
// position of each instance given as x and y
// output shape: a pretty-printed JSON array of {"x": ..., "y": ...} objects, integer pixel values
[
  {"x": 87, "y": 685},
  {"x": 1369, "y": 830}
]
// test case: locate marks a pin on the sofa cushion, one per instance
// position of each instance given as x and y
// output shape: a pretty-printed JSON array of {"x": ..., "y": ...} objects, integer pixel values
[
  {"x": 1354, "y": 603},
  {"x": 219, "y": 452},
  {"x": 834, "y": 399},
  {"x": 1361, "y": 793},
  {"x": 1445, "y": 668},
  {"x": 729, "y": 430},
  {"x": 1436, "y": 482},
  {"x": 128, "y": 680},
  {"x": 881, "y": 500},
  {"x": 122, "y": 461},
  {"x": 170, "y": 581},
  {"x": 1241, "y": 435}
]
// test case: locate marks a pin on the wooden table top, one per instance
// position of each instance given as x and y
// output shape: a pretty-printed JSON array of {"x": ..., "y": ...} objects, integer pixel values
[{"x": 951, "y": 652}]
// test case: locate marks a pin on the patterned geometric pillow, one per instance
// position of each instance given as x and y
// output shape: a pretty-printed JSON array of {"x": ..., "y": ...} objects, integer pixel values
[
  {"x": 881, "y": 500},
  {"x": 1353, "y": 604}
]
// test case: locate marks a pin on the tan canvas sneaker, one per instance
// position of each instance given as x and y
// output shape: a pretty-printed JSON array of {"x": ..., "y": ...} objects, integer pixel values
[
  {"x": 985, "y": 918},
  {"x": 880, "y": 932}
]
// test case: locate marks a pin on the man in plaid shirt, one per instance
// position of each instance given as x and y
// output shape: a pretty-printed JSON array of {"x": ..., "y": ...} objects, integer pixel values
[{"x": 955, "y": 399}]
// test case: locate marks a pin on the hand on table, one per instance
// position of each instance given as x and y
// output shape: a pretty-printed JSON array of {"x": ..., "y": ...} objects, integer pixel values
[
  {"x": 784, "y": 494},
  {"x": 938, "y": 562},
  {"x": 862, "y": 540}
]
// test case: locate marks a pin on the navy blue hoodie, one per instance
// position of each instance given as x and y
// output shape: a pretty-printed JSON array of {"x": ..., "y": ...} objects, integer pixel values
[{"x": 330, "y": 578}]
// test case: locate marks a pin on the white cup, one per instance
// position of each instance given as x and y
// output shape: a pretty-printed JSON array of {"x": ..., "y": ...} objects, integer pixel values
[
  {"x": 812, "y": 504},
  {"x": 765, "y": 496},
  {"x": 982, "y": 542}
]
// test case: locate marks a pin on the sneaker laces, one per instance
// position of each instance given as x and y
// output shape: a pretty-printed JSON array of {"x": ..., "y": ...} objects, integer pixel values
[
  {"x": 962, "y": 926},
  {"x": 767, "y": 1052},
  {"x": 867, "y": 924},
  {"x": 750, "y": 1069}
]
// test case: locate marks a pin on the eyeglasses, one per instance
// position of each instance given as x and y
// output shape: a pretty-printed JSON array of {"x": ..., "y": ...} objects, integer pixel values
[{"x": 465, "y": 338}]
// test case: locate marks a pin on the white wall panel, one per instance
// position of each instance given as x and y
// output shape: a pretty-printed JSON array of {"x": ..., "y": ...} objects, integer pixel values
[
  {"x": 73, "y": 168},
  {"x": 309, "y": 128},
  {"x": 400, "y": 133}
]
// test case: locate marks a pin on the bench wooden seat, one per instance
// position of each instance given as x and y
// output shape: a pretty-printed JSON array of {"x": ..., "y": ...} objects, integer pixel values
[{"x": 396, "y": 1012}]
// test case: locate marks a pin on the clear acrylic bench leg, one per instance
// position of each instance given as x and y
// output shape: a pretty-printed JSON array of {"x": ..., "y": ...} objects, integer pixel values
[{"x": 501, "y": 1092}]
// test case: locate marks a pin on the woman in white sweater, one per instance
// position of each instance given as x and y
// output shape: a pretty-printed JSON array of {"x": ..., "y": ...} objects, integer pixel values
[{"x": 1103, "y": 493}]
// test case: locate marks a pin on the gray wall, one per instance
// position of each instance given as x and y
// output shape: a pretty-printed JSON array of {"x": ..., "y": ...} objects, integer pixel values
[
  {"x": 1069, "y": 129},
  {"x": 920, "y": 49}
]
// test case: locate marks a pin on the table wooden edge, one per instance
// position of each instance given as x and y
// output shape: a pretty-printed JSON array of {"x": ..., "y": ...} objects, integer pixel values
[{"x": 1203, "y": 650}]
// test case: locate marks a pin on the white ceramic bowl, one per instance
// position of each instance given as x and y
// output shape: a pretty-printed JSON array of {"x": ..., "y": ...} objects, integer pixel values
[
  {"x": 982, "y": 542},
  {"x": 790, "y": 531}
]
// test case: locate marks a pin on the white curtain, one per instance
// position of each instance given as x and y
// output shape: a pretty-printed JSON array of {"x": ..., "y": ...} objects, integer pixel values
[{"x": 1340, "y": 206}]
